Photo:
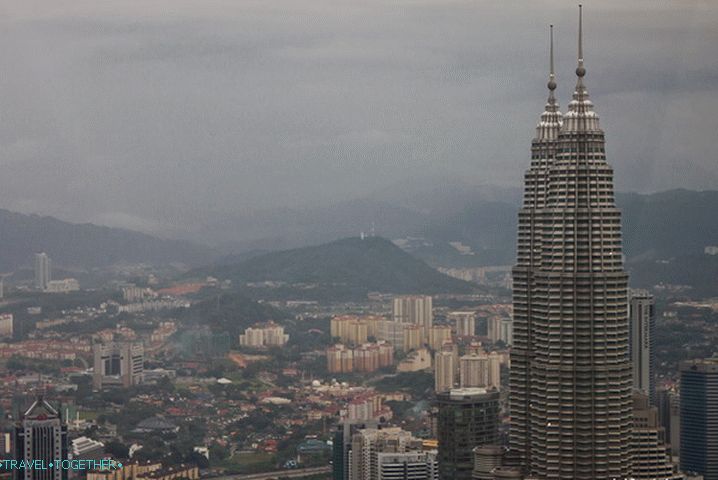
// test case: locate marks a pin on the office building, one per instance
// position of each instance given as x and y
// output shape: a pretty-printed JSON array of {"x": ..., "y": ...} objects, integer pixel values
[
  {"x": 467, "y": 418},
  {"x": 642, "y": 318},
  {"x": 570, "y": 378},
  {"x": 486, "y": 459},
  {"x": 367, "y": 463},
  {"x": 342, "y": 446},
  {"x": 414, "y": 465},
  {"x": 415, "y": 309},
  {"x": 699, "y": 418},
  {"x": 43, "y": 270},
  {"x": 41, "y": 435},
  {"x": 117, "y": 364}
]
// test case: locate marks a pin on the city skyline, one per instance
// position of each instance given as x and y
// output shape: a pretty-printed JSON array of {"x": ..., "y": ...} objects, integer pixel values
[{"x": 433, "y": 329}]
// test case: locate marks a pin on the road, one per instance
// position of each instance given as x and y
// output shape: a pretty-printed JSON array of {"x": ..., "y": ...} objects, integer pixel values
[{"x": 295, "y": 473}]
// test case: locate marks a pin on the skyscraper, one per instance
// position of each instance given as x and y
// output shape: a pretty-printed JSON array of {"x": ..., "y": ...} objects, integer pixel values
[
  {"x": 570, "y": 377},
  {"x": 43, "y": 270},
  {"x": 41, "y": 435},
  {"x": 467, "y": 418},
  {"x": 699, "y": 417},
  {"x": 641, "y": 342}
]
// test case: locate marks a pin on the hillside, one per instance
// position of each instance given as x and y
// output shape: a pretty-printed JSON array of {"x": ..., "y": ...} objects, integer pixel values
[
  {"x": 229, "y": 312},
  {"x": 85, "y": 245},
  {"x": 347, "y": 267}
]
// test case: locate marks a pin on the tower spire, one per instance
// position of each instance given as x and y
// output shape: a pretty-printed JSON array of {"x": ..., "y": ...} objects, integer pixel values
[
  {"x": 552, "y": 73},
  {"x": 580, "y": 115},
  {"x": 580, "y": 33},
  {"x": 580, "y": 70},
  {"x": 551, "y": 118}
]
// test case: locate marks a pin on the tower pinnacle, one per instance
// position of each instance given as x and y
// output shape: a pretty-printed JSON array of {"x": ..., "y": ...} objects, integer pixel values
[
  {"x": 580, "y": 70},
  {"x": 552, "y": 74}
]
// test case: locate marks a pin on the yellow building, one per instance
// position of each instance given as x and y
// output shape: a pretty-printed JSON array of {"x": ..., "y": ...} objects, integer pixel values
[{"x": 438, "y": 334}]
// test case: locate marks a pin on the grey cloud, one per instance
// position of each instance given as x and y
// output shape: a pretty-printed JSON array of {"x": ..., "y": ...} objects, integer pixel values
[{"x": 161, "y": 115}]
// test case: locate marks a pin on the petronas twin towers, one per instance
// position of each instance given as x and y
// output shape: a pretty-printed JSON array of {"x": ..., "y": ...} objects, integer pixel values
[{"x": 570, "y": 371}]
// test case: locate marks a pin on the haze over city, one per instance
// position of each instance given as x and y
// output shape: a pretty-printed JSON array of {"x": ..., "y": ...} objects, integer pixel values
[{"x": 157, "y": 116}]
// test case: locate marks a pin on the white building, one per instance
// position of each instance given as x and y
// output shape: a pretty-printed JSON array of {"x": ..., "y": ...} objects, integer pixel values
[{"x": 62, "y": 286}]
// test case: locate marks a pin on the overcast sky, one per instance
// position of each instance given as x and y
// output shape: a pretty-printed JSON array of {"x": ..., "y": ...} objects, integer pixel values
[{"x": 150, "y": 114}]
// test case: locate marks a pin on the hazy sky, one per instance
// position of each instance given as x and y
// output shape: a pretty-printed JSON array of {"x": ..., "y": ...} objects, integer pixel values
[{"x": 150, "y": 114}]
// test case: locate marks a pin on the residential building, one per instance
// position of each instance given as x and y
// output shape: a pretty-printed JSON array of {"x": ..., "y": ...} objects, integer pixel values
[
  {"x": 445, "y": 367},
  {"x": 416, "y": 309},
  {"x": 262, "y": 336},
  {"x": 464, "y": 323},
  {"x": 6, "y": 325}
]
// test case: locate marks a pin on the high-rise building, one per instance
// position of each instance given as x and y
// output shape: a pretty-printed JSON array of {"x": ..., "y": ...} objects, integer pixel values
[
  {"x": 350, "y": 329},
  {"x": 117, "y": 364},
  {"x": 43, "y": 270},
  {"x": 267, "y": 335},
  {"x": 467, "y": 418},
  {"x": 342, "y": 446},
  {"x": 473, "y": 371},
  {"x": 415, "y": 465},
  {"x": 651, "y": 455},
  {"x": 413, "y": 337},
  {"x": 641, "y": 342},
  {"x": 464, "y": 322},
  {"x": 6, "y": 324},
  {"x": 444, "y": 370},
  {"x": 392, "y": 332},
  {"x": 493, "y": 371},
  {"x": 486, "y": 459},
  {"x": 415, "y": 309},
  {"x": 41, "y": 435},
  {"x": 570, "y": 371},
  {"x": 438, "y": 334},
  {"x": 699, "y": 418},
  {"x": 367, "y": 462}
]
